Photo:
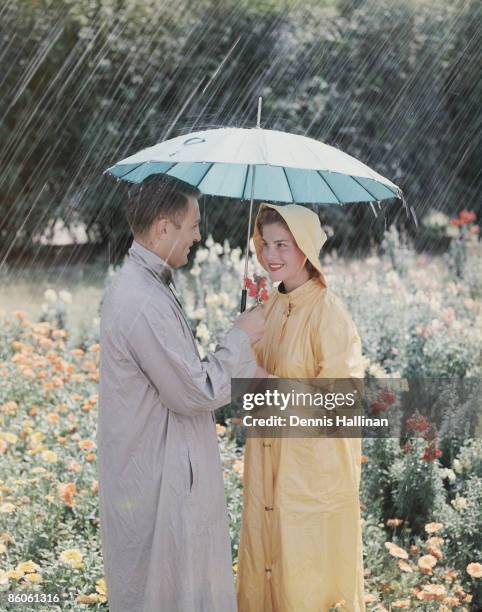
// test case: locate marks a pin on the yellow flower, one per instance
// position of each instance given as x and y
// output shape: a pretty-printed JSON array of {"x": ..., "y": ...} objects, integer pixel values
[
  {"x": 49, "y": 456},
  {"x": 401, "y": 603},
  {"x": 369, "y": 598},
  {"x": 72, "y": 557},
  {"x": 220, "y": 429},
  {"x": 426, "y": 562},
  {"x": 396, "y": 551},
  {"x": 36, "y": 438},
  {"x": 9, "y": 407},
  {"x": 101, "y": 587},
  {"x": 38, "y": 470},
  {"x": 433, "y": 527},
  {"x": 7, "y": 507},
  {"x": 474, "y": 570},
  {"x": 88, "y": 599},
  {"x": 394, "y": 522},
  {"x": 14, "y": 574},
  {"x": 35, "y": 578},
  {"x": 27, "y": 567},
  {"x": 11, "y": 438}
]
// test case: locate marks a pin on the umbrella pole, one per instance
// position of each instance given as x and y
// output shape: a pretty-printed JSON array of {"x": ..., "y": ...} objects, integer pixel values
[{"x": 244, "y": 292}]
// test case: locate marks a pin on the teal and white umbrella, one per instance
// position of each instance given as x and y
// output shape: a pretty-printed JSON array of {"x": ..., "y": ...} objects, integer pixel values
[
  {"x": 258, "y": 164},
  {"x": 264, "y": 164}
]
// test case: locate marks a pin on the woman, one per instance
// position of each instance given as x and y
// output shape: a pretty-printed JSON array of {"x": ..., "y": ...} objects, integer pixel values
[{"x": 300, "y": 548}]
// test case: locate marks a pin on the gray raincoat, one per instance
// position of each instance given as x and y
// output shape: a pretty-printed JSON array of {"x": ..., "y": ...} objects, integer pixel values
[{"x": 163, "y": 519}]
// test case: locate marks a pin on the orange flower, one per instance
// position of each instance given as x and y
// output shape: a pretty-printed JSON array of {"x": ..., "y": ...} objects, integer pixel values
[
  {"x": 52, "y": 417},
  {"x": 396, "y": 551},
  {"x": 435, "y": 541},
  {"x": 434, "y": 551},
  {"x": 90, "y": 457},
  {"x": 474, "y": 570},
  {"x": 404, "y": 566},
  {"x": 433, "y": 527},
  {"x": 95, "y": 348},
  {"x": 67, "y": 492},
  {"x": 74, "y": 466},
  {"x": 363, "y": 459},
  {"x": 394, "y": 522},
  {"x": 450, "y": 575},
  {"x": 401, "y": 603},
  {"x": 431, "y": 592},
  {"x": 95, "y": 487},
  {"x": 86, "y": 444},
  {"x": 451, "y": 601},
  {"x": 426, "y": 563}
]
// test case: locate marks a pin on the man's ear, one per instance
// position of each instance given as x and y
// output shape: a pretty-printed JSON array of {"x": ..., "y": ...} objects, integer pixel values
[{"x": 160, "y": 225}]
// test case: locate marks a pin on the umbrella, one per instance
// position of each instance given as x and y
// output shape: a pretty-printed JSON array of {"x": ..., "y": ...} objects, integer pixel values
[{"x": 260, "y": 164}]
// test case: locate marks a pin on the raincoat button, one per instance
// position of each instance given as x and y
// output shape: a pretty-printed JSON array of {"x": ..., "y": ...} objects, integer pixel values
[
  {"x": 265, "y": 445},
  {"x": 267, "y": 569},
  {"x": 268, "y": 508}
]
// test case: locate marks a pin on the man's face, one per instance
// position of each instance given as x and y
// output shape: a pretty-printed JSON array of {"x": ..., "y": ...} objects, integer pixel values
[{"x": 178, "y": 241}]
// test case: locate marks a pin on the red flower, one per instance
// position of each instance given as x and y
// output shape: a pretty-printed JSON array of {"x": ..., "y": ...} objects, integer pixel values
[
  {"x": 418, "y": 423},
  {"x": 263, "y": 295},
  {"x": 387, "y": 396},
  {"x": 431, "y": 452},
  {"x": 378, "y": 406},
  {"x": 466, "y": 217}
]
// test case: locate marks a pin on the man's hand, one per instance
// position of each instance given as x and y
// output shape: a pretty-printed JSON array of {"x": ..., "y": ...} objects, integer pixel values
[
  {"x": 261, "y": 373},
  {"x": 252, "y": 322}
]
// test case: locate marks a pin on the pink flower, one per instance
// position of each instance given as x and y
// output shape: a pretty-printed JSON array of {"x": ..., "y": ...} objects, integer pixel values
[{"x": 448, "y": 316}]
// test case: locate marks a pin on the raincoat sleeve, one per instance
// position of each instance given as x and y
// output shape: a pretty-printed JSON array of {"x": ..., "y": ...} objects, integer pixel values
[
  {"x": 166, "y": 356},
  {"x": 339, "y": 352}
]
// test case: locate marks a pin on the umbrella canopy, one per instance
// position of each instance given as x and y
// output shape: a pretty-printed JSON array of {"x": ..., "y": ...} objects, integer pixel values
[{"x": 289, "y": 167}]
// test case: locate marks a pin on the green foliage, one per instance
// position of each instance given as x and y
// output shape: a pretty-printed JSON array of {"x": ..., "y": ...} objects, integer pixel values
[{"x": 86, "y": 83}]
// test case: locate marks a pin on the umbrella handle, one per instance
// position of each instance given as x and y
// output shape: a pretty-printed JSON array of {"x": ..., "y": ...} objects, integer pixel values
[{"x": 244, "y": 294}]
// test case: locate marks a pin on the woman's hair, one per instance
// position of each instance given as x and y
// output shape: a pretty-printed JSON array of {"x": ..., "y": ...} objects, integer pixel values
[{"x": 270, "y": 216}]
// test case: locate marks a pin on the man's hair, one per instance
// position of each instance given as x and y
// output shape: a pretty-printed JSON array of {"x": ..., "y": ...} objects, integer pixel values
[
  {"x": 270, "y": 216},
  {"x": 158, "y": 195}
]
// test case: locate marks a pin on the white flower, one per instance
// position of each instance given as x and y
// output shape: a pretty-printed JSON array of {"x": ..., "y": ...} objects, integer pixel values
[
  {"x": 209, "y": 242},
  {"x": 217, "y": 248},
  {"x": 199, "y": 313},
  {"x": 226, "y": 247},
  {"x": 452, "y": 231},
  {"x": 201, "y": 351},
  {"x": 66, "y": 297},
  {"x": 377, "y": 371},
  {"x": 212, "y": 299},
  {"x": 460, "y": 503},
  {"x": 448, "y": 473},
  {"x": 457, "y": 465},
  {"x": 51, "y": 296},
  {"x": 236, "y": 255},
  {"x": 201, "y": 255},
  {"x": 202, "y": 332},
  {"x": 196, "y": 270},
  {"x": 435, "y": 219}
]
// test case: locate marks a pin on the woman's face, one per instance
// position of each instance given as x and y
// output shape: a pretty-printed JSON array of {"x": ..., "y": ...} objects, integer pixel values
[{"x": 283, "y": 259}]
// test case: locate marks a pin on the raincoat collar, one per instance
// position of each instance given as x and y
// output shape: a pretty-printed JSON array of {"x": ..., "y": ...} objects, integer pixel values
[
  {"x": 299, "y": 295},
  {"x": 152, "y": 262},
  {"x": 306, "y": 228}
]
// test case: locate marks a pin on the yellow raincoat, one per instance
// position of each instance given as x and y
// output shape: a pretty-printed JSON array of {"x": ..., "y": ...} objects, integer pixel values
[{"x": 301, "y": 548}]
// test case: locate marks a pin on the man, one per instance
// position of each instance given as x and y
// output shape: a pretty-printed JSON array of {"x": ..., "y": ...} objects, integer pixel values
[{"x": 164, "y": 531}]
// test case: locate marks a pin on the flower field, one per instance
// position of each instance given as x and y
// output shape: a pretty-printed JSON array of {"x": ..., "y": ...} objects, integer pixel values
[{"x": 421, "y": 504}]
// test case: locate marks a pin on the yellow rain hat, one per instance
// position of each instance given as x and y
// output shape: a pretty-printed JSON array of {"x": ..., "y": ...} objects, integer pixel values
[{"x": 306, "y": 228}]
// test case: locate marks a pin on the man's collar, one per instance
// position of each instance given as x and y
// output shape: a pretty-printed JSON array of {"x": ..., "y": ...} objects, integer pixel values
[{"x": 153, "y": 262}]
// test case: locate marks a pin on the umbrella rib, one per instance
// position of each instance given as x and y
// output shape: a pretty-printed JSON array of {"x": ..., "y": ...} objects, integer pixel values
[
  {"x": 245, "y": 181},
  {"x": 131, "y": 170},
  {"x": 204, "y": 175},
  {"x": 289, "y": 186},
  {"x": 329, "y": 187},
  {"x": 365, "y": 189}
]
